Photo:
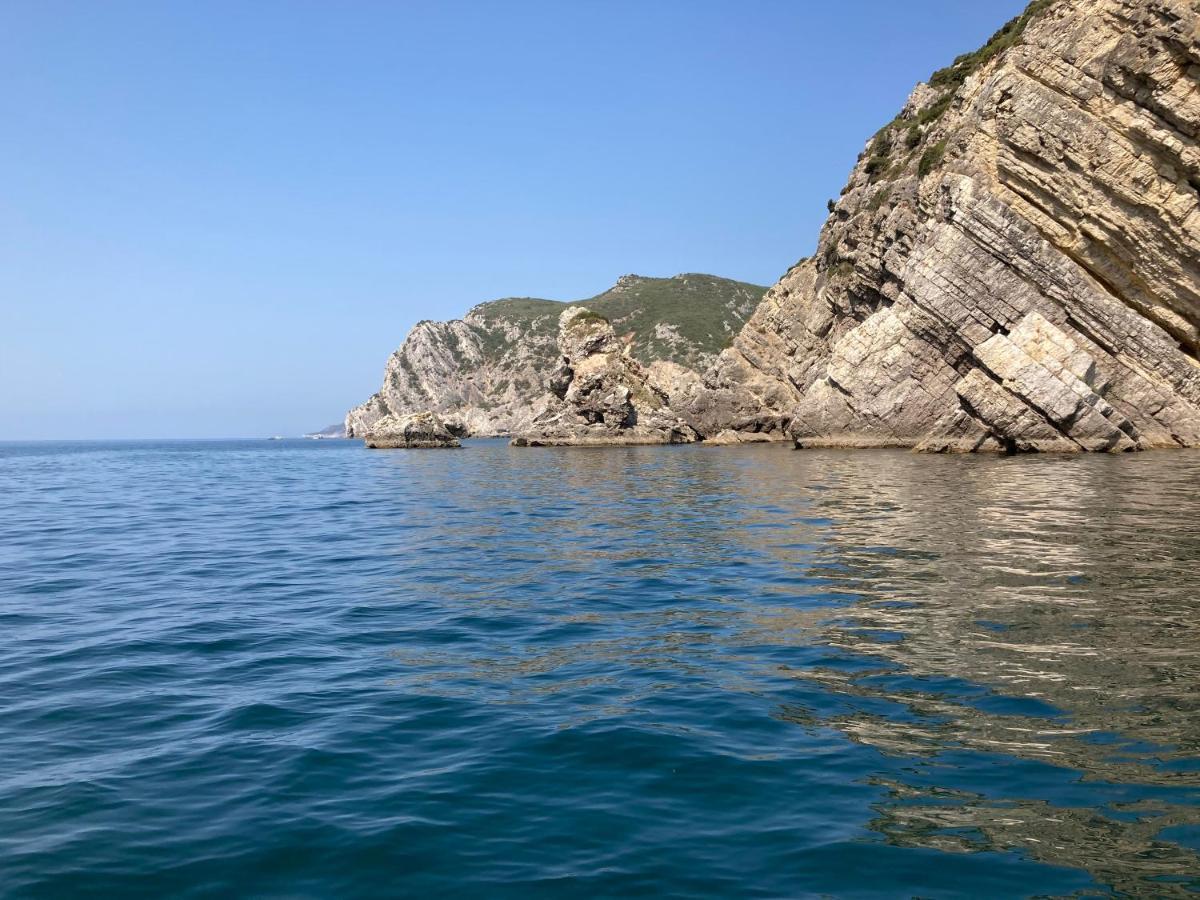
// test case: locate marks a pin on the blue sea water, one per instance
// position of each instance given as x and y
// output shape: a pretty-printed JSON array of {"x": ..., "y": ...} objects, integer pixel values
[{"x": 305, "y": 669}]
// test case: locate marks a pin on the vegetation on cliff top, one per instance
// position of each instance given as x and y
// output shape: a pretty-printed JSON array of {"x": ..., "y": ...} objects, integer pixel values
[
  {"x": 1008, "y": 36},
  {"x": 880, "y": 163},
  {"x": 704, "y": 311}
]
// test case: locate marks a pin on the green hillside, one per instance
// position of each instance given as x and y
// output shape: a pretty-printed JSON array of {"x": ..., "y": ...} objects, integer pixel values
[{"x": 700, "y": 315}]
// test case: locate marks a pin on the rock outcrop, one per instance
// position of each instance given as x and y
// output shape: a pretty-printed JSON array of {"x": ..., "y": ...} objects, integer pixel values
[
  {"x": 486, "y": 373},
  {"x": 604, "y": 396},
  {"x": 421, "y": 430},
  {"x": 1014, "y": 263}
]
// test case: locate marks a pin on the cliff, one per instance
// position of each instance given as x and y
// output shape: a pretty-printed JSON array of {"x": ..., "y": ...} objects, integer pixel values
[
  {"x": 1014, "y": 263},
  {"x": 487, "y": 373}
]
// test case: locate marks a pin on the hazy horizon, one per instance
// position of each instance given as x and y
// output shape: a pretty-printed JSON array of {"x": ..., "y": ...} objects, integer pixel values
[{"x": 220, "y": 220}]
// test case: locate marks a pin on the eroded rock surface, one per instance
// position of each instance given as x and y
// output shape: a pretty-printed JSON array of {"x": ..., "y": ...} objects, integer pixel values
[
  {"x": 603, "y": 396},
  {"x": 421, "y": 430},
  {"x": 1014, "y": 263},
  {"x": 486, "y": 373}
]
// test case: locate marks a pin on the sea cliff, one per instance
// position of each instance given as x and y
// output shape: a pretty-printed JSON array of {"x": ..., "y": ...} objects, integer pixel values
[
  {"x": 486, "y": 374},
  {"x": 1014, "y": 263}
]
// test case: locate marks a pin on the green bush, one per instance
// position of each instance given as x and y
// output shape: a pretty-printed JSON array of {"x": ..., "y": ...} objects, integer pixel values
[
  {"x": 589, "y": 317},
  {"x": 949, "y": 80},
  {"x": 931, "y": 158},
  {"x": 797, "y": 264},
  {"x": 877, "y": 165},
  {"x": 968, "y": 63},
  {"x": 831, "y": 255}
]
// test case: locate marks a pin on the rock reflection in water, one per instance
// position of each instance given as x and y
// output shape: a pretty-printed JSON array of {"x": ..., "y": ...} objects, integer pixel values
[
  {"x": 1038, "y": 610},
  {"x": 748, "y": 671},
  {"x": 1011, "y": 644}
]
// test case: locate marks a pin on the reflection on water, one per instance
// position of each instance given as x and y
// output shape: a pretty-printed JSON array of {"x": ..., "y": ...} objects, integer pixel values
[
  {"x": 691, "y": 671},
  {"x": 1008, "y": 629},
  {"x": 1043, "y": 611}
]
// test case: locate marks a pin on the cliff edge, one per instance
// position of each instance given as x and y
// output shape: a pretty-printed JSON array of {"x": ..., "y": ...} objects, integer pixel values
[
  {"x": 486, "y": 374},
  {"x": 1014, "y": 263}
]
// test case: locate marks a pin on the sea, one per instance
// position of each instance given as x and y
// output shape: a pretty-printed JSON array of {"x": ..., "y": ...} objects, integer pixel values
[{"x": 306, "y": 669}]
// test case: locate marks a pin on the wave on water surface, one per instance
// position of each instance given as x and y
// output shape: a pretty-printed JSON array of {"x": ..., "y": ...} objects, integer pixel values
[{"x": 305, "y": 669}]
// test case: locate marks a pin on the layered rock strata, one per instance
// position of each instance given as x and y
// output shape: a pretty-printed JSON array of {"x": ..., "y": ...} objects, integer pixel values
[{"x": 1014, "y": 263}]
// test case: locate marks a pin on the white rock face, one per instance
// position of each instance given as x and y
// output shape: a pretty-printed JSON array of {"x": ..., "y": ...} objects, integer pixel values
[
  {"x": 1014, "y": 265},
  {"x": 445, "y": 367},
  {"x": 486, "y": 373},
  {"x": 604, "y": 395},
  {"x": 421, "y": 430}
]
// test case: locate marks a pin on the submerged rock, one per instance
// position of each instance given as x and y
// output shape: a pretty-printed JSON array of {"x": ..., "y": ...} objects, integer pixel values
[
  {"x": 414, "y": 431},
  {"x": 604, "y": 396}
]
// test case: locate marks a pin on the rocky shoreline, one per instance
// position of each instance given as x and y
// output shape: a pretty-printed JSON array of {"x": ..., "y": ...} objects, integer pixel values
[
  {"x": 488, "y": 372},
  {"x": 1013, "y": 266}
]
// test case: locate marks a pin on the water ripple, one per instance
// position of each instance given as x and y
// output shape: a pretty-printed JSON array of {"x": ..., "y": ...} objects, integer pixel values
[{"x": 305, "y": 669}]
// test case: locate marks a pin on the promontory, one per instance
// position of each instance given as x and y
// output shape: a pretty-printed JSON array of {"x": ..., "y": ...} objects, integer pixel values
[{"x": 1013, "y": 265}]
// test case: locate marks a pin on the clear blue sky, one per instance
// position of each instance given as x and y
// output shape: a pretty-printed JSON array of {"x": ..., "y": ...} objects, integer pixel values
[{"x": 219, "y": 218}]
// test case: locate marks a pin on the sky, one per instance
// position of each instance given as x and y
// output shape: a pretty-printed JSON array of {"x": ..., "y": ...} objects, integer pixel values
[{"x": 218, "y": 219}]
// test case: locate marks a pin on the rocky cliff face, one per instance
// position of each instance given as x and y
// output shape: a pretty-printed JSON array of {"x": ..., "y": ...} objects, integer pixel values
[
  {"x": 487, "y": 373},
  {"x": 1014, "y": 263}
]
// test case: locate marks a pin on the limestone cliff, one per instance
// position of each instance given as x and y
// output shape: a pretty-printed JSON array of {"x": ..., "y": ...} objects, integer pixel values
[
  {"x": 1014, "y": 263},
  {"x": 486, "y": 374}
]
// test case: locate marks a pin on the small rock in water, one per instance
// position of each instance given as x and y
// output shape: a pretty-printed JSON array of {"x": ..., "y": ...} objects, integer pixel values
[{"x": 416, "y": 430}]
